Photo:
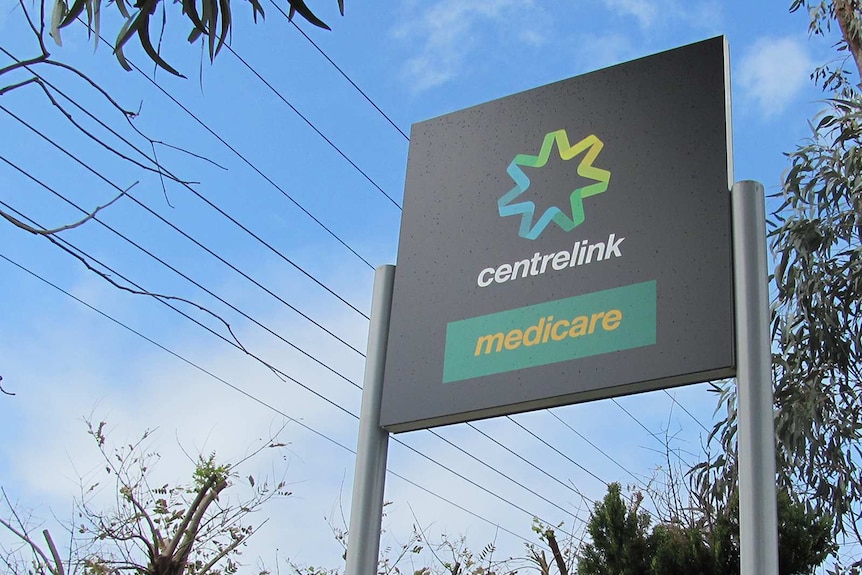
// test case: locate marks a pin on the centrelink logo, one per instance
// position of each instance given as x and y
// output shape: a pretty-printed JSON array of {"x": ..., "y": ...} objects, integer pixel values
[
  {"x": 583, "y": 251},
  {"x": 527, "y": 209}
]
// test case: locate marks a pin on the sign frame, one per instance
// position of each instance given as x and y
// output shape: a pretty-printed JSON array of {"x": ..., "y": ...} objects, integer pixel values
[{"x": 475, "y": 245}]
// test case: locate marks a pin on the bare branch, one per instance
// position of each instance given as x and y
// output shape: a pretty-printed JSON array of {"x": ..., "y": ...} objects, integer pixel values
[
  {"x": 48, "y": 232},
  {"x": 23, "y": 536},
  {"x": 190, "y": 153},
  {"x": 158, "y": 542},
  {"x": 21, "y": 63},
  {"x": 221, "y": 555},
  {"x": 151, "y": 294}
]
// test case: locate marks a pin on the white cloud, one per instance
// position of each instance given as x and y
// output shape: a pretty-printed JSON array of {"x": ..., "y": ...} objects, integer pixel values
[
  {"x": 653, "y": 14},
  {"x": 446, "y": 32},
  {"x": 773, "y": 72},
  {"x": 603, "y": 50},
  {"x": 644, "y": 11}
]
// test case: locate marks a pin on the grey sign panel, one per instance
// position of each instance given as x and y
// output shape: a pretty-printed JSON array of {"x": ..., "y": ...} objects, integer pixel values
[{"x": 566, "y": 243}]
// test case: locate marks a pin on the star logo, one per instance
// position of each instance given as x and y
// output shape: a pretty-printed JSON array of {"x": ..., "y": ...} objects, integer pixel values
[{"x": 527, "y": 209}]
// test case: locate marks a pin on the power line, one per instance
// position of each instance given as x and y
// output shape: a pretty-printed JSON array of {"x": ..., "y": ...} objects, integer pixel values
[
  {"x": 497, "y": 471},
  {"x": 313, "y": 127},
  {"x": 317, "y": 360},
  {"x": 245, "y": 160},
  {"x": 696, "y": 420},
  {"x": 390, "y": 198},
  {"x": 645, "y": 428},
  {"x": 181, "y": 274},
  {"x": 304, "y": 386},
  {"x": 340, "y": 71},
  {"x": 376, "y": 107},
  {"x": 255, "y": 399},
  {"x": 558, "y": 452},
  {"x": 176, "y": 355},
  {"x": 160, "y": 169},
  {"x": 593, "y": 445},
  {"x": 468, "y": 480},
  {"x": 528, "y": 462},
  {"x": 116, "y": 187}
]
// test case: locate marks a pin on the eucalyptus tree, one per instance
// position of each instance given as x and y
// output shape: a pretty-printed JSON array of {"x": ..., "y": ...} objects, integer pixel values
[{"x": 815, "y": 233}]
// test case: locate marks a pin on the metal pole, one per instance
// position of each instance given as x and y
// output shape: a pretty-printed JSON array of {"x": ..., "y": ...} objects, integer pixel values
[
  {"x": 758, "y": 522},
  {"x": 369, "y": 478}
]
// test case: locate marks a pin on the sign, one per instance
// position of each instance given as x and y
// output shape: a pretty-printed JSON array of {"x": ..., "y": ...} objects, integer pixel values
[{"x": 567, "y": 243}]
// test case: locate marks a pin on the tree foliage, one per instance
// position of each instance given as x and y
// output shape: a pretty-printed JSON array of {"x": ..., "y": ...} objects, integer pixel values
[
  {"x": 815, "y": 233},
  {"x": 619, "y": 537},
  {"x": 623, "y": 541}
]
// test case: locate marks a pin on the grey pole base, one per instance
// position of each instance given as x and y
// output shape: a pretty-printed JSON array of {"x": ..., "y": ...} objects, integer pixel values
[{"x": 758, "y": 522}]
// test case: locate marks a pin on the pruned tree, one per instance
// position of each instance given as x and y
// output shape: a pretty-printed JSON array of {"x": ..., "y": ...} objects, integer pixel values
[
  {"x": 563, "y": 556},
  {"x": 182, "y": 529}
]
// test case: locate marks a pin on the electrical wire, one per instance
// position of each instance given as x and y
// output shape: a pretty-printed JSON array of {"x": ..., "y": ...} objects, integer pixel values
[
  {"x": 180, "y": 273},
  {"x": 392, "y": 123},
  {"x": 160, "y": 169},
  {"x": 558, "y": 452},
  {"x": 119, "y": 189},
  {"x": 306, "y": 387},
  {"x": 399, "y": 206},
  {"x": 167, "y": 265},
  {"x": 64, "y": 242},
  {"x": 235, "y": 309},
  {"x": 498, "y": 472},
  {"x": 313, "y": 127},
  {"x": 257, "y": 400},
  {"x": 696, "y": 420},
  {"x": 653, "y": 435},
  {"x": 340, "y": 71},
  {"x": 594, "y": 446},
  {"x": 528, "y": 462},
  {"x": 242, "y": 157}
]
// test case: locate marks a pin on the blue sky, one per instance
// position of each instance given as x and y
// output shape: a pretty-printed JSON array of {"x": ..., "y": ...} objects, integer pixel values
[{"x": 415, "y": 60}]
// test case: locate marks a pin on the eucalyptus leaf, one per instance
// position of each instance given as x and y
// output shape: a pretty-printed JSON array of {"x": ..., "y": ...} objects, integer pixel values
[
  {"x": 57, "y": 15},
  {"x": 302, "y": 9},
  {"x": 73, "y": 12},
  {"x": 143, "y": 30}
]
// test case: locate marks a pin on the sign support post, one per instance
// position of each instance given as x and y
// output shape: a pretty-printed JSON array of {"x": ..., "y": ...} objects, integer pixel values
[
  {"x": 369, "y": 478},
  {"x": 758, "y": 523}
]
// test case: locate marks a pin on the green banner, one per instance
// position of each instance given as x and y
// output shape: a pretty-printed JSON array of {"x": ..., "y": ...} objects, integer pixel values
[{"x": 551, "y": 332}]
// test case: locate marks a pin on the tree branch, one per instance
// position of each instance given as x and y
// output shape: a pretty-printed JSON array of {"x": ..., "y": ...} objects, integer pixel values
[
  {"x": 48, "y": 232},
  {"x": 192, "y": 527},
  {"x": 57, "y": 562},
  {"x": 845, "y": 13},
  {"x": 212, "y": 562},
  {"x": 3, "y": 390},
  {"x": 157, "y": 537},
  {"x": 22, "y": 63},
  {"x": 22, "y": 535},
  {"x": 555, "y": 549}
]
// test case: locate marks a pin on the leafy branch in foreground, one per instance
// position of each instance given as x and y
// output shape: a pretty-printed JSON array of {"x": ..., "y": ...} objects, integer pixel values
[{"x": 210, "y": 20}]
